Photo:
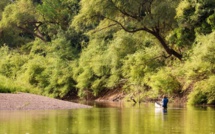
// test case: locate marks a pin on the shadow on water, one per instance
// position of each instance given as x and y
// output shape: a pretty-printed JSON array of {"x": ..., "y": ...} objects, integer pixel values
[{"x": 104, "y": 104}]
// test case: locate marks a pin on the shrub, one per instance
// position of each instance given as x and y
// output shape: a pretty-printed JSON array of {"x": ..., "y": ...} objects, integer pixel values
[
  {"x": 8, "y": 85},
  {"x": 204, "y": 92},
  {"x": 164, "y": 81}
]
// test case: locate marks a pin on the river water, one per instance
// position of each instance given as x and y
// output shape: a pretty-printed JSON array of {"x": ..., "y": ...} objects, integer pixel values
[{"x": 111, "y": 119}]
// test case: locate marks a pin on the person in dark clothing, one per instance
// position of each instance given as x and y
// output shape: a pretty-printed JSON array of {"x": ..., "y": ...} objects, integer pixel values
[{"x": 164, "y": 102}]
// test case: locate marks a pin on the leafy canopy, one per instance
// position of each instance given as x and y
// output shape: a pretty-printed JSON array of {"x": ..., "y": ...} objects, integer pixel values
[{"x": 152, "y": 16}]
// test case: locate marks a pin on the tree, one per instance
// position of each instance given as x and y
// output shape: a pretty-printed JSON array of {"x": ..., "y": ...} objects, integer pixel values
[
  {"x": 152, "y": 16},
  {"x": 198, "y": 15},
  {"x": 56, "y": 14},
  {"x": 36, "y": 19},
  {"x": 194, "y": 17},
  {"x": 3, "y": 4},
  {"x": 22, "y": 20}
]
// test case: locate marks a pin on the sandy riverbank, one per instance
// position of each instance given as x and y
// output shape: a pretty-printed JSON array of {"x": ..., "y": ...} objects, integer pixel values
[{"x": 26, "y": 101}]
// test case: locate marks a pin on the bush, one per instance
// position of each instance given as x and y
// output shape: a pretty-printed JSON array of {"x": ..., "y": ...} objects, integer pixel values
[
  {"x": 204, "y": 92},
  {"x": 11, "y": 62},
  {"x": 163, "y": 81},
  {"x": 8, "y": 85},
  {"x": 201, "y": 64},
  {"x": 199, "y": 69},
  {"x": 136, "y": 67},
  {"x": 197, "y": 97}
]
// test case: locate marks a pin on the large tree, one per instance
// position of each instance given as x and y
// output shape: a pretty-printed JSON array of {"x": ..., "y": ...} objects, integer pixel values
[
  {"x": 152, "y": 16},
  {"x": 36, "y": 19},
  {"x": 3, "y": 4},
  {"x": 195, "y": 17},
  {"x": 20, "y": 23}
]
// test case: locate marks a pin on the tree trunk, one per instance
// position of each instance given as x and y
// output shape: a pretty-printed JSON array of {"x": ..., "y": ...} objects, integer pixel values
[
  {"x": 166, "y": 47},
  {"x": 154, "y": 32}
]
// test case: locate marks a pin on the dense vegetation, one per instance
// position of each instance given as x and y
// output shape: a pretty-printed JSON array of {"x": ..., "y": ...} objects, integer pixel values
[{"x": 145, "y": 48}]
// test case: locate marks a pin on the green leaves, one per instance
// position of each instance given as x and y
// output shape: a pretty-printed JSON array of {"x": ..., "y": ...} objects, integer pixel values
[
  {"x": 198, "y": 70},
  {"x": 13, "y": 16},
  {"x": 119, "y": 44},
  {"x": 35, "y": 20},
  {"x": 201, "y": 62},
  {"x": 57, "y": 12},
  {"x": 204, "y": 92},
  {"x": 127, "y": 13},
  {"x": 138, "y": 66},
  {"x": 194, "y": 15},
  {"x": 18, "y": 20},
  {"x": 3, "y": 4},
  {"x": 164, "y": 81}
]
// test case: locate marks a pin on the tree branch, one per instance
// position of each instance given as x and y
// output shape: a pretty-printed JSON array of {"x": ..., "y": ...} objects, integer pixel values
[
  {"x": 156, "y": 33},
  {"x": 132, "y": 30},
  {"x": 124, "y": 12},
  {"x": 31, "y": 32},
  {"x": 104, "y": 28}
]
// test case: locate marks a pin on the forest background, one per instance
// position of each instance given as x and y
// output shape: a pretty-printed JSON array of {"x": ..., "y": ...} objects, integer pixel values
[{"x": 143, "y": 48}]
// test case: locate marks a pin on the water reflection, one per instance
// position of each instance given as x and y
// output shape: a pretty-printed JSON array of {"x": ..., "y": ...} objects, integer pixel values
[{"x": 125, "y": 119}]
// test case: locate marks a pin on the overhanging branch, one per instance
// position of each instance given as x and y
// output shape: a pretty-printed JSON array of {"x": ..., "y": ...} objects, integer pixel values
[
  {"x": 111, "y": 25},
  {"x": 131, "y": 30},
  {"x": 155, "y": 32},
  {"x": 33, "y": 33}
]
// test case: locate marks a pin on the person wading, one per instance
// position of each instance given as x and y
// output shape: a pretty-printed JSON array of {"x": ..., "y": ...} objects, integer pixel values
[{"x": 165, "y": 102}]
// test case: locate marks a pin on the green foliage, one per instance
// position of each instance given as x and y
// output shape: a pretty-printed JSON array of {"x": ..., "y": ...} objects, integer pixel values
[
  {"x": 43, "y": 68},
  {"x": 13, "y": 16},
  {"x": 60, "y": 80},
  {"x": 100, "y": 64},
  {"x": 147, "y": 16},
  {"x": 3, "y": 4},
  {"x": 164, "y": 81},
  {"x": 11, "y": 62},
  {"x": 204, "y": 92},
  {"x": 118, "y": 47},
  {"x": 197, "y": 97},
  {"x": 201, "y": 63},
  {"x": 56, "y": 14},
  {"x": 131, "y": 14},
  {"x": 121, "y": 46},
  {"x": 35, "y": 20},
  {"x": 194, "y": 17},
  {"x": 200, "y": 69},
  {"x": 91, "y": 67},
  {"x": 182, "y": 37},
  {"x": 141, "y": 64},
  {"x": 195, "y": 13},
  {"x": 16, "y": 24},
  {"x": 206, "y": 89},
  {"x": 49, "y": 68},
  {"x": 8, "y": 85},
  {"x": 211, "y": 21},
  {"x": 33, "y": 70},
  {"x": 68, "y": 44}
]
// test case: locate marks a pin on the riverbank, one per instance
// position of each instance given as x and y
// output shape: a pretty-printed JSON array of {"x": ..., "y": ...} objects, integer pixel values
[
  {"x": 119, "y": 95},
  {"x": 26, "y": 101}
]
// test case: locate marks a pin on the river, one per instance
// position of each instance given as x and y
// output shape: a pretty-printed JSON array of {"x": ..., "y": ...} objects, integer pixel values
[{"x": 112, "y": 119}]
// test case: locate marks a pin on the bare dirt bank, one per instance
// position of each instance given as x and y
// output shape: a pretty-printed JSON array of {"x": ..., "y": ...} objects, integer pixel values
[{"x": 26, "y": 101}]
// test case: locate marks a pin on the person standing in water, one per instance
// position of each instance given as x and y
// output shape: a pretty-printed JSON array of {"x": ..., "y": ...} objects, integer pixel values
[{"x": 164, "y": 102}]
